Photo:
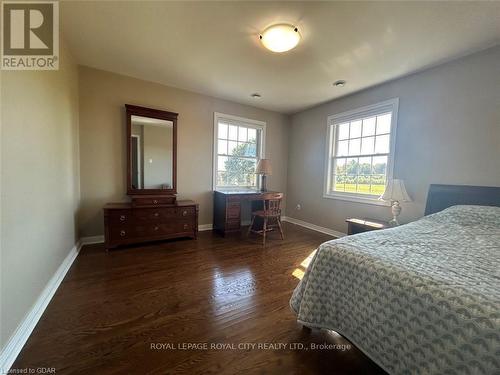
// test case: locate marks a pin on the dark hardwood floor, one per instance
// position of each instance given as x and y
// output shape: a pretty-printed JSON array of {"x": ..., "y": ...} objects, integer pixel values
[{"x": 112, "y": 307}]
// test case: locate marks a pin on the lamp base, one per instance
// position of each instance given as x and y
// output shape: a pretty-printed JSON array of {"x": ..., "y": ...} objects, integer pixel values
[
  {"x": 393, "y": 222},
  {"x": 396, "y": 211},
  {"x": 263, "y": 183}
]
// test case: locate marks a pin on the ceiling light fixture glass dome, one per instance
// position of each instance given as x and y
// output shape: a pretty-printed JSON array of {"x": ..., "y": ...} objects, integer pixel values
[{"x": 280, "y": 38}]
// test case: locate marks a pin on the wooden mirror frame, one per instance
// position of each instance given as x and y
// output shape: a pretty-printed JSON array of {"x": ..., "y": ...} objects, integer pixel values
[{"x": 133, "y": 110}]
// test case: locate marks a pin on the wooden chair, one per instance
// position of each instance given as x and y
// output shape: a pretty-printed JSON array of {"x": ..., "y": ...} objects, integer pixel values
[{"x": 270, "y": 216}]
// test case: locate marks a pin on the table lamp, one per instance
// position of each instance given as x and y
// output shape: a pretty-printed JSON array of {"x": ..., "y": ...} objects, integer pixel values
[
  {"x": 264, "y": 169},
  {"x": 395, "y": 192}
]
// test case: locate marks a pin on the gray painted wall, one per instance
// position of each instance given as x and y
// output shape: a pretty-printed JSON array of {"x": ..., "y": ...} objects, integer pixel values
[
  {"x": 448, "y": 132},
  {"x": 39, "y": 182},
  {"x": 102, "y": 141}
]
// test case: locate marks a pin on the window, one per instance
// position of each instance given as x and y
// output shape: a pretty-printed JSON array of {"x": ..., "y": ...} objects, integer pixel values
[
  {"x": 360, "y": 152},
  {"x": 238, "y": 146}
]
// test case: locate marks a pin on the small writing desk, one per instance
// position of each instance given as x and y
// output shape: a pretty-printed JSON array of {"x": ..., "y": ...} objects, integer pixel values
[{"x": 227, "y": 207}]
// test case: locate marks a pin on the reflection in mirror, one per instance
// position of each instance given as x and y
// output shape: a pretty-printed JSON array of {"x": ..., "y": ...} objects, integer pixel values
[{"x": 151, "y": 153}]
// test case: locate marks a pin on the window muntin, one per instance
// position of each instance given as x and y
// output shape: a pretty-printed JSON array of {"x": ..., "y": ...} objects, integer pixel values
[
  {"x": 360, "y": 151},
  {"x": 238, "y": 148}
]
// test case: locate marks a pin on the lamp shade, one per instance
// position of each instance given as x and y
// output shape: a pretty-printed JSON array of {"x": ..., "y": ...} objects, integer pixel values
[
  {"x": 264, "y": 167},
  {"x": 395, "y": 191}
]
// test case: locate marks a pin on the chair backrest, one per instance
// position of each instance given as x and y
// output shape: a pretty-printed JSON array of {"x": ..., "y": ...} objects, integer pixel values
[{"x": 272, "y": 203}]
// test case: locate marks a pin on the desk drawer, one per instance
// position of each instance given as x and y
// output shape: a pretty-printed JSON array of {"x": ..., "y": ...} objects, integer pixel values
[
  {"x": 233, "y": 210},
  {"x": 232, "y": 225}
]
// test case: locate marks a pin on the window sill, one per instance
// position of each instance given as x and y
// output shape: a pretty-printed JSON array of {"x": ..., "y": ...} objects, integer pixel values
[
  {"x": 373, "y": 200},
  {"x": 236, "y": 188}
]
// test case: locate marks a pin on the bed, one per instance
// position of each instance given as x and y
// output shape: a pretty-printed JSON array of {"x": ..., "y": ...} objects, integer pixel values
[{"x": 420, "y": 298}]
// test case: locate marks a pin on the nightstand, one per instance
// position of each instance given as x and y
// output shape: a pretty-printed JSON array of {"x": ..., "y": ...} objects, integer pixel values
[{"x": 364, "y": 225}]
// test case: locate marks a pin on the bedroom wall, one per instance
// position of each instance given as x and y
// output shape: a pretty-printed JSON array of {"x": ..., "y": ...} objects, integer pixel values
[
  {"x": 448, "y": 132},
  {"x": 102, "y": 141},
  {"x": 39, "y": 183},
  {"x": 157, "y": 156}
]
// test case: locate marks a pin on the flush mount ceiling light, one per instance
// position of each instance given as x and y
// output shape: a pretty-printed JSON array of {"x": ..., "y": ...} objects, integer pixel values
[
  {"x": 256, "y": 95},
  {"x": 280, "y": 38},
  {"x": 339, "y": 83}
]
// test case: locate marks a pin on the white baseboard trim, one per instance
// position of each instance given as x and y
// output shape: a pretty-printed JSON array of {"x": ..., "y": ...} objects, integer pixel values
[
  {"x": 315, "y": 227},
  {"x": 23, "y": 331},
  {"x": 204, "y": 227}
]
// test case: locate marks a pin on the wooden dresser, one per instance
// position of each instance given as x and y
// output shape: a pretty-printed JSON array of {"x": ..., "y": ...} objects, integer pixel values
[
  {"x": 154, "y": 213},
  {"x": 136, "y": 222}
]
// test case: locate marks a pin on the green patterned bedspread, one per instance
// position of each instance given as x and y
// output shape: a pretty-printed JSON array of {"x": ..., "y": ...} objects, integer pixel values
[{"x": 422, "y": 298}]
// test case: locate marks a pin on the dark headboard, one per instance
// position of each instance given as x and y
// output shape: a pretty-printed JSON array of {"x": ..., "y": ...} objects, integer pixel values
[{"x": 444, "y": 196}]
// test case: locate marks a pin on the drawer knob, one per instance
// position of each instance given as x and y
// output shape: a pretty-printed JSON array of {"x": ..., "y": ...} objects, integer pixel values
[
  {"x": 156, "y": 228},
  {"x": 122, "y": 233},
  {"x": 122, "y": 217},
  {"x": 155, "y": 201},
  {"x": 185, "y": 226},
  {"x": 157, "y": 214},
  {"x": 184, "y": 213}
]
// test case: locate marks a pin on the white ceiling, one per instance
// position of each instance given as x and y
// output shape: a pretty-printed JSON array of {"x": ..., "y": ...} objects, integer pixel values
[{"x": 213, "y": 47}]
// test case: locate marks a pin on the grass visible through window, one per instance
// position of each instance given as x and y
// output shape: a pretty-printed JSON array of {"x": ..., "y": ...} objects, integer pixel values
[{"x": 361, "y": 188}]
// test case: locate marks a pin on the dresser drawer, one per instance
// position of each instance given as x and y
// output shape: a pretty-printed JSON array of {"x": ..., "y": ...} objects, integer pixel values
[
  {"x": 120, "y": 217},
  {"x": 152, "y": 201},
  {"x": 141, "y": 230},
  {"x": 185, "y": 226},
  {"x": 126, "y": 233},
  {"x": 159, "y": 214},
  {"x": 165, "y": 229},
  {"x": 185, "y": 211},
  {"x": 162, "y": 214},
  {"x": 118, "y": 233},
  {"x": 161, "y": 229}
]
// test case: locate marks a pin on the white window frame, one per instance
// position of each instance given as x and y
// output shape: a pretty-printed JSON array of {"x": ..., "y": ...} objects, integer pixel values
[
  {"x": 236, "y": 120},
  {"x": 385, "y": 106}
]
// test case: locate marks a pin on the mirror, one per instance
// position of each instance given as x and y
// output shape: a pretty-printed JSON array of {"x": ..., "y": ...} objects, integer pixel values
[{"x": 151, "y": 151}]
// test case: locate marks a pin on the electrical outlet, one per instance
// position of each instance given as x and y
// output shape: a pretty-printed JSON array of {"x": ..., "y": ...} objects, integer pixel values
[{"x": 298, "y": 207}]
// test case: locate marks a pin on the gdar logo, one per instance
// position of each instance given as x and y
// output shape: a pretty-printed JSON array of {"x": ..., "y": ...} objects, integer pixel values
[{"x": 30, "y": 35}]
